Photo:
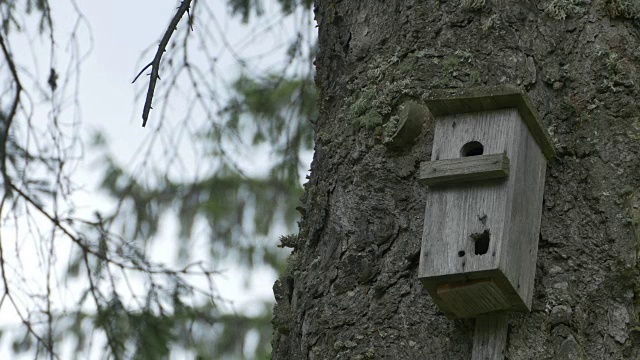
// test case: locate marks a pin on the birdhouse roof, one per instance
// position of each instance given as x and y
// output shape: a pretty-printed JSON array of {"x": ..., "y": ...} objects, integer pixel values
[{"x": 456, "y": 101}]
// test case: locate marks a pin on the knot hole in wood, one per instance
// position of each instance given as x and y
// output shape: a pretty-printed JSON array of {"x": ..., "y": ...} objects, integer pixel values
[{"x": 481, "y": 242}]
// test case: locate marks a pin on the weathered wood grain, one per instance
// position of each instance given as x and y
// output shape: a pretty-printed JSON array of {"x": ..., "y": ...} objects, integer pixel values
[
  {"x": 473, "y": 298},
  {"x": 455, "y": 101},
  {"x": 490, "y": 337},
  {"x": 522, "y": 220},
  {"x": 506, "y": 211},
  {"x": 473, "y": 168}
]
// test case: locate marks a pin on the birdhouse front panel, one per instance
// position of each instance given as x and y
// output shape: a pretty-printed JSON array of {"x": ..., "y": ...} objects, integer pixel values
[
  {"x": 458, "y": 216},
  {"x": 482, "y": 217}
]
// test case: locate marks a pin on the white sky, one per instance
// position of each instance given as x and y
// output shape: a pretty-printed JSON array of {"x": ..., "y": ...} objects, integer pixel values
[{"x": 121, "y": 30}]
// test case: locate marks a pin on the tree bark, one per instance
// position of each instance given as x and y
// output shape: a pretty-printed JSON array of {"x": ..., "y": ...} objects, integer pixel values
[{"x": 351, "y": 290}]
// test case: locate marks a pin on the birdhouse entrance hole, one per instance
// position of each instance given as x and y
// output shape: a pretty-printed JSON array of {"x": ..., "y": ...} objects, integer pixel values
[
  {"x": 481, "y": 241},
  {"x": 472, "y": 148}
]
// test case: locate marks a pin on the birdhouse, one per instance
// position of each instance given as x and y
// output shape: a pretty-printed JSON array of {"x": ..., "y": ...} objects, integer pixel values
[{"x": 482, "y": 219}]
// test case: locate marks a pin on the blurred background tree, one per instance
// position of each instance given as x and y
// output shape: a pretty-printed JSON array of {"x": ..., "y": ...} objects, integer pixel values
[{"x": 218, "y": 177}]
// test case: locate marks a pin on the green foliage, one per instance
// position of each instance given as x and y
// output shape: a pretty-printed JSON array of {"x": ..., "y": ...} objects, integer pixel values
[
  {"x": 221, "y": 200},
  {"x": 113, "y": 319},
  {"x": 288, "y": 6},
  {"x": 243, "y": 8},
  {"x": 240, "y": 212},
  {"x": 143, "y": 334},
  {"x": 279, "y": 109},
  {"x": 274, "y": 110},
  {"x": 152, "y": 335},
  {"x": 237, "y": 328},
  {"x": 148, "y": 334}
]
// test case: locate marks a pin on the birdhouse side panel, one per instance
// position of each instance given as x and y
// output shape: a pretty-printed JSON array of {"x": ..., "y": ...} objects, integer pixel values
[{"x": 528, "y": 167}]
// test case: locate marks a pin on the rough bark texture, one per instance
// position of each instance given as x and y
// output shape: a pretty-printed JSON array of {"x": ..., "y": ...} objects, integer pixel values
[{"x": 351, "y": 289}]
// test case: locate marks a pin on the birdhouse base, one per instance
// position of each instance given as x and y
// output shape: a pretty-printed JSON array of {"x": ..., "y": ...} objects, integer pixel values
[
  {"x": 468, "y": 295},
  {"x": 471, "y": 298}
]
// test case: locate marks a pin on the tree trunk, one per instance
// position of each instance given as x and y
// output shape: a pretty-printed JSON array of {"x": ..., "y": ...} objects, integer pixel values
[{"x": 351, "y": 289}]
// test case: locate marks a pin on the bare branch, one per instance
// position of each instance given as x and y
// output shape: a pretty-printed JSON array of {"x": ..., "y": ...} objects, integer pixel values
[
  {"x": 86, "y": 249},
  {"x": 141, "y": 71},
  {"x": 12, "y": 113},
  {"x": 155, "y": 64}
]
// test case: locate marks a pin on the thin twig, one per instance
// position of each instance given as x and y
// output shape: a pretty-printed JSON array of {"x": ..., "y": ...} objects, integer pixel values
[
  {"x": 155, "y": 64},
  {"x": 7, "y": 294},
  {"x": 149, "y": 269},
  {"x": 95, "y": 295},
  {"x": 11, "y": 116},
  {"x": 190, "y": 20},
  {"x": 141, "y": 71}
]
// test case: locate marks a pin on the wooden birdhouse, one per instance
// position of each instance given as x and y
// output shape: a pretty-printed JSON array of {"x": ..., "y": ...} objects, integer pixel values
[{"x": 482, "y": 219}]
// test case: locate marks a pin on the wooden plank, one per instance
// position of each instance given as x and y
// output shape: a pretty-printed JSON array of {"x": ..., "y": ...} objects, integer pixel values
[
  {"x": 495, "y": 130},
  {"x": 508, "y": 210},
  {"x": 453, "y": 214},
  {"x": 472, "y": 298},
  {"x": 490, "y": 338},
  {"x": 473, "y": 168},
  {"x": 522, "y": 221},
  {"x": 455, "y": 101}
]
